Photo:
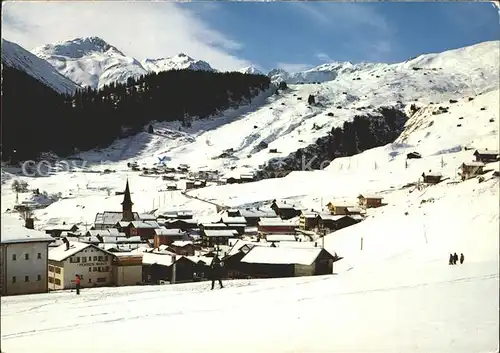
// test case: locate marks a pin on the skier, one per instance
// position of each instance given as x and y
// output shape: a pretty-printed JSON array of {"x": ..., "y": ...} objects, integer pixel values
[
  {"x": 455, "y": 258},
  {"x": 77, "y": 283},
  {"x": 451, "y": 260},
  {"x": 462, "y": 258},
  {"x": 216, "y": 269}
]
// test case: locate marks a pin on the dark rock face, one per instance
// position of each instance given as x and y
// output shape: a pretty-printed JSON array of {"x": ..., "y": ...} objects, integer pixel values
[{"x": 362, "y": 133}]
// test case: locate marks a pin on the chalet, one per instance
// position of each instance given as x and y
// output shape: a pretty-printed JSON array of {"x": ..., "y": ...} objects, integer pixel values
[
  {"x": 486, "y": 156},
  {"x": 145, "y": 230},
  {"x": 94, "y": 265},
  {"x": 164, "y": 236},
  {"x": 169, "y": 176},
  {"x": 276, "y": 225},
  {"x": 172, "y": 186},
  {"x": 338, "y": 209},
  {"x": 308, "y": 220},
  {"x": 158, "y": 267},
  {"x": 127, "y": 269},
  {"x": 189, "y": 184},
  {"x": 200, "y": 184},
  {"x": 212, "y": 226},
  {"x": 236, "y": 223},
  {"x": 23, "y": 260},
  {"x": 327, "y": 222},
  {"x": 253, "y": 216},
  {"x": 346, "y": 221},
  {"x": 183, "y": 224},
  {"x": 370, "y": 201},
  {"x": 56, "y": 230},
  {"x": 431, "y": 178},
  {"x": 233, "y": 180},
  {"x": 183, "y": 247},
  {"x": 413, "y": 155},
  {"x": 284, "y": 210},
  {"x": 471, "y": 169},
  {"x": 274, "y": 262},
  {"x": 211, "y": 237}
]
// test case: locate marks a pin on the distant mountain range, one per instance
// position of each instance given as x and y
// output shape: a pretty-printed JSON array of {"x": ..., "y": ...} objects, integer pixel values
[{"x": 92, "y": 62}]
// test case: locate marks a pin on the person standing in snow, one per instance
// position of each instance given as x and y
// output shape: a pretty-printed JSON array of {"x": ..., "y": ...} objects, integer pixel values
[
  {"x": 455, "y": 258},
  {"x": 77, "y": 284},
  {"x": 451, "y": 260},
  {"x": 216, "y": 271},
  {"x": 462, "y": 258}
]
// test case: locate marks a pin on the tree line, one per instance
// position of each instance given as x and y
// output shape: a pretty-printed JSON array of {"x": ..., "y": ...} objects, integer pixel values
[{"x": 37, "y": 119}]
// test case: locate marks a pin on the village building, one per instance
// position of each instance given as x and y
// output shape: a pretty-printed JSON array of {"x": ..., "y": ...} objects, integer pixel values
[
  {"x": 127, "y": 269},
  {"x": 183, "y": 247},
  {"x": 253, "y": 216},
  {"x": 274, "y": 262},
  {"x": 166, "y": 236},
  {"x": 431, "y": 178},
  {"x": 284, "y": 210},
  {"x": 144, "y": 230},
  {"x": 23, "y": 260},
  {"x": 55, "y": 231},
  {"x": 108, "y": 219},
  {"x": 247, "y": 178},
  {"x": 183, "y": 224},
  {"x": 471, "y": 169},
  {"x": 486, "y": 156},
  {"x": 237, "y": 223},
  {"x": 276, "y": 225},
  {"x": 158, "y": 268},
  {"x": 308, "y": 220},
  {"x": 338, "y": 209},
  {"x": 370, "y": 201},
  {"x": 94, "y": 265},
  {"x": 213, "y": 237}
]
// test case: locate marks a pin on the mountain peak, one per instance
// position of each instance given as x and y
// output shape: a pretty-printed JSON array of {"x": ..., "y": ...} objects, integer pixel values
[
  {"x": 178, "y": 62},
  {"x": 77, "y": 48}
]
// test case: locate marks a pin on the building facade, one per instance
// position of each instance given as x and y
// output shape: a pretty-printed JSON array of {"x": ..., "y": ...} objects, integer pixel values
[{"x": 23, "y": 261}]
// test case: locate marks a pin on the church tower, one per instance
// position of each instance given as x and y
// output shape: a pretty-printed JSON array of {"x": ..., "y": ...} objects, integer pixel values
[{"x": 127, "y": 205}]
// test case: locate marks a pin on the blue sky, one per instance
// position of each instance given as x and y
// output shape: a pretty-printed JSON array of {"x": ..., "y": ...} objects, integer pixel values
[
  {"x": 298, "y": 34},
  {"x": 232, "y": 35}
]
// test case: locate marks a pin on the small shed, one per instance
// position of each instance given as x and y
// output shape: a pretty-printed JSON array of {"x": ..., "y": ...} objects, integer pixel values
[
  {"x": 431, "y": 178},
  {"x": 370, "y": 200},
  {"x": 486, "y": 156},
  {"x": 413, "y": 155},
  {"x": 471, "y": 169}
]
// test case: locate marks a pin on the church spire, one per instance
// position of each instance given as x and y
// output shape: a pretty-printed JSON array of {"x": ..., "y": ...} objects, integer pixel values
[{"x": 127, "y": 204}]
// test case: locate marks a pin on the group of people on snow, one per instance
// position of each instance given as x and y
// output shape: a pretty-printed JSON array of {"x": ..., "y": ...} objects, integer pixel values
[{"x": 454, "y": 259}]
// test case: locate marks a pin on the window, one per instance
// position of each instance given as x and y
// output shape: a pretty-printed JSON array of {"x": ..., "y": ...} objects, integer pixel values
[
  {"x": 26, "y": 256},
  {"x": 74, "y": 260},
  {"x": 14, "y": 257},
  {"x": 51, "y": 268},
  {"x": 39, "y": 256},
  {"x": 57, "y": 281},
  {"x": 84, "y": 259},
  {"x": 51, "y": 279},
  {"x": 101, "y": 279},
  {"x": 26, "y": 278},
  {"x": 58, "y": 270},
  {"x": 90, "y": 280},
  {"x": 39, "y": 277},
  {"x": 90, "y": 269},
  {"x": 14, "y": 279},
  {"x": 95, "y": 258},
  {"x": 95, "y": 269},
  {"x": 99, "y": 258}
]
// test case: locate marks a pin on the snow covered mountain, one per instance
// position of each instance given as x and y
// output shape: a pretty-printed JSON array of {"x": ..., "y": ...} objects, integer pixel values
[
  {"x": 475, "y": 55},
  {"x": 179, "y": 62},
  {"x": 251, "y": 70},
  {"x": 90, "y": 61},
  {"x": 17, "y": 57}
]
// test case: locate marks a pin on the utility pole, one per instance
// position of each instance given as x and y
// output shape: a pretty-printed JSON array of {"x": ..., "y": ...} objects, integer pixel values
[
  {"x": 361, "y": 243},
  {"x": 172, "y": 281}
]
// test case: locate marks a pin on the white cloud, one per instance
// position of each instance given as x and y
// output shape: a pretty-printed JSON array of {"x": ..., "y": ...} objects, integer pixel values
[
  {"x": 289, "y": 67},
  {"x": 324, "y": 57},
  {"x": 140, "y": 29}
]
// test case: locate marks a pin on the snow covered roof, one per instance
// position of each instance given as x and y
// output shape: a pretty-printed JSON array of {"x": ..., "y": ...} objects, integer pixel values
[
  {"x": 147, "y": 217},
  {"x": 112, "y": 217},
  {"x": 234, "y": 220},
  {"x": 486, "y": 152},
  {"x": 213, "y": 225},
  {"x": 163, "y": 259},
  {"x": 17, "y": 234},
  {"x": 274, "y": 222},
  {"x": 280, "y": 237},
  {"x": 105, "y": 232},
  {"x": 220, "y": 233},
  {"x": 254, "y": 213},
  {"x": 370, "y": 196},
  {"x": 309, "y": 214},
  {"x": 168, "y": 232},
  {"x": 60, "y": 253},
  {"x": 61, "y": 227},
  {"x": 145, "y": 224},
  {"x": 277, "y": 255},
  {"x": 472, "y": 164},
  {"x": 181, "y": 243}
]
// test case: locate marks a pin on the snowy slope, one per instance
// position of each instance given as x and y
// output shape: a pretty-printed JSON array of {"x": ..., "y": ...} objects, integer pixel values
[
  {"x": 15, "y": 56},
  {"x": 90, "y": 61},
  {"x": 179, "y": 62}
]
